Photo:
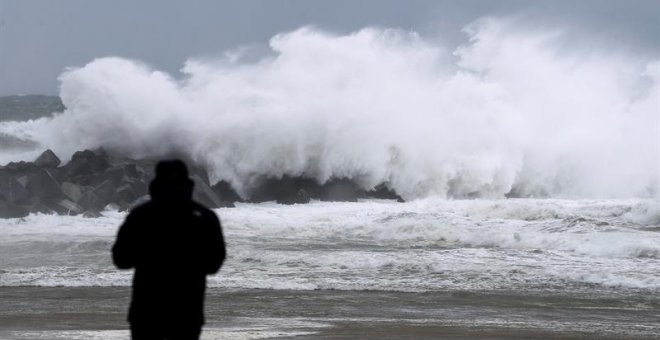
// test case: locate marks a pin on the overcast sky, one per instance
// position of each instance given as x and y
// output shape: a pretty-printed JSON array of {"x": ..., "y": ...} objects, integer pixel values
[{"x": 38, "y": 39}]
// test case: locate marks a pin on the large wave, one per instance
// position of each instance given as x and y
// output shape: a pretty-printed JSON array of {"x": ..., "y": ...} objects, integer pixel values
[{"x": 510, "y": 111}]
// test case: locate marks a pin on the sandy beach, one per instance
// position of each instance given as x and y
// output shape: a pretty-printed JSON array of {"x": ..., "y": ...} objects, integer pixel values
[{"x": 99, "y": 313}]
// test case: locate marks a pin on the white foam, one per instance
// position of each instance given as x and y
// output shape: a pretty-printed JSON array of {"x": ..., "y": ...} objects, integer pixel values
[
  {"x": 510, "y": 108},
  {"x": 422, "y": 245},
  {"x": 260, "y": 328}
]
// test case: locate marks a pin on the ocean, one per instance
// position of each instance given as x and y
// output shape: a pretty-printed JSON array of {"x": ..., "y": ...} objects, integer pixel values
[{"x": 429, "y": 261}]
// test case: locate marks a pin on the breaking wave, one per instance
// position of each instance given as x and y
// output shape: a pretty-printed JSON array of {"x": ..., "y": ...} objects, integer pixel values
[{"x": 511, "y": 111}]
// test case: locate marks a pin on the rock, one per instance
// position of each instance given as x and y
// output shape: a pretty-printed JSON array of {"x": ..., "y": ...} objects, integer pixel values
[
  {"x": 286, "y": 190},
  {"x": 87, "y": 162},
  {"x": 340, "y": 190},
  {"x": 11, "y": 210},
  {"x": 65, "y": 207},
  {"x": 21, "y": 167},
  {"x": 98, "y": 197},
  {"x": 195, "y": 170},
  {"x": 85, "y": 180},
  {"x": 126, "y": 196},
  {"x": 227, "y": 204},
  {"x": 126, "y": 193},
  {"x": 48, "y": 159},
  {"x": 145, "y": 168},
  {"x": 300, "y": 197},
  {"x": 120, "y": 173},
  {"x": 41, "y": 208},
  {"x": 42, "y": 184},
  {"x": 107, "y": 191},
  {"x": 204, "y": 194},
  {"x": 73, "y": 191},
  {"x": 139, "y": 187},
  {"x": 11, "y": 189},
  {"x": 23, "y": 180},
  {"x": 57, "y": 173},
  {"x": 60, "y": 206},
  {"x": 226, "y": 193},
  {"x": 383, "y": 192},
  {"x": 526, "y": 189},
  {"x": 91, "y": 201},
  {"x": 92, "y": 180},
  {"x": 114, "y": 175},
  {"x": 131, "y": 170},
  {"x": 92, "y": 214}
]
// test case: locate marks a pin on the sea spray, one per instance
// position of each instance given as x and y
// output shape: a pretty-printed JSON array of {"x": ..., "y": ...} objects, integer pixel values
[{"x": 510, "y": 111}]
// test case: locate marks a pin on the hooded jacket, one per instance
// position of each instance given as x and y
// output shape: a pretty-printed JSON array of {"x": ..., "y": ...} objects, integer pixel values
[{"x": 172, "y": 243}]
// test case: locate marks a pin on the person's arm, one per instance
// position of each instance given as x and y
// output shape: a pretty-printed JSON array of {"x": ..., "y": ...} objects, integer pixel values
[
  {"x": 215, "y": 245},
  {"x": 124, "y": 250}
]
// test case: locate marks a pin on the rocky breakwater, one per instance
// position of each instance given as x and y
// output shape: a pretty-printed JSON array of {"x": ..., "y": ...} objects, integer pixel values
[
  {"x": 296, "y": 190},
  {"x": 91, "y": 182}
]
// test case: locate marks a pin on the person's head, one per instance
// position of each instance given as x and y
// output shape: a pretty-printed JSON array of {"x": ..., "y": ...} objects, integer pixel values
[{"x": 171, "y": 182}]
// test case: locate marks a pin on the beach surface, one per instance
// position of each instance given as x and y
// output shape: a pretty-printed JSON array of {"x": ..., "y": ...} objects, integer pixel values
[{"x": 100, "y": 312}]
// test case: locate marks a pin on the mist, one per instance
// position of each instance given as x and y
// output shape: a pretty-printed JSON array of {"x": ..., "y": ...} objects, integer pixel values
[{"x": 511, "y": 110}]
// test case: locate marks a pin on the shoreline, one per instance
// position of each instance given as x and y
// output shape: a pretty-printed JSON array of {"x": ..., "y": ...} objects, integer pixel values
[{"x": 100, "y": 312}]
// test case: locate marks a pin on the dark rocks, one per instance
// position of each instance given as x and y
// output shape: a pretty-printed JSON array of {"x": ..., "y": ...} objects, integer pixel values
[
  {"x": 98, "y": 197},
  {"x": 20, "y": 167},
  {"x": 65, "y": 207},
  {"x": 300, "y": 197},
  {"x": 121, "y": 173},
  {"x": 73, "y": 191},
  {"x": 286, "y": 190},
  {"x": 295, "y": 190},
  {"x": 93, "y": 182},
  {"x": 87, "y": 162},
  {"x": 106, "y": 191},
  {"x": 43, "y": 184},
  {"x": 92, "y": 201},
  {"x": 382, "y": 191},
  {"x": 92, "y": 214},
  {"x": 138, "y": 185},
  {"x": 126, "y": 195},
  {"x": 11, "y": 210},
  {"x": 89, "y": 183},
  {"x": 11, "y": 190},
  {"x": 48, "y": 159},
  {"x": 204, "y": 194},
  {"x": 226, "y": 193},
  {"x": 340, "y": 190}
]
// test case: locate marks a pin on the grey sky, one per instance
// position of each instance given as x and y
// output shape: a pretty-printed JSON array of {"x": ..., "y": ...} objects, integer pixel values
[{"x": 38, "y": 39}]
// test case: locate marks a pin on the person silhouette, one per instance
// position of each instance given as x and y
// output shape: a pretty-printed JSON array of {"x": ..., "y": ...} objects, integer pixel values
[{"x": 173, "y": 243}]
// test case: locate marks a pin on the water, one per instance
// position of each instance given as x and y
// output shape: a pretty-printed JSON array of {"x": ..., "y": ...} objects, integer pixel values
[
  {"x": 509, "y": 112},
  {"x": 427, "y": 245},
  {"x": 510, "y": 109}
]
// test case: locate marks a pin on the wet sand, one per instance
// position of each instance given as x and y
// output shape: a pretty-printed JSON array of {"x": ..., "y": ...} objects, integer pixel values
[{"x": 99, "y": 313}]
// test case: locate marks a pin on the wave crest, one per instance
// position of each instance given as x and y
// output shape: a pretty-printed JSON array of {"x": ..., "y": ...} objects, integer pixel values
[{"x": 510, "y": 112}]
